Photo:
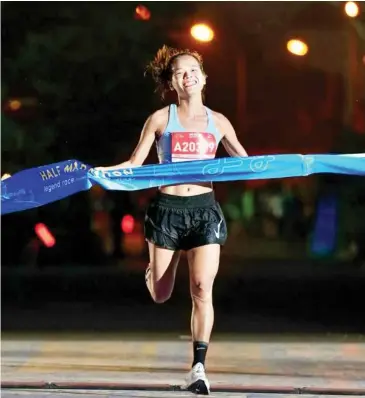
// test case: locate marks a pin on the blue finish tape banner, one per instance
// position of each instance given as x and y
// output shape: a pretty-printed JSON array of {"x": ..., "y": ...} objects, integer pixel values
[{"x": 42, "y": 185}]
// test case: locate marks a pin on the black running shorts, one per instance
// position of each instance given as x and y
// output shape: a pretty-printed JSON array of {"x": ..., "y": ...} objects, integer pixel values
[{"x": 184, "y": 222}]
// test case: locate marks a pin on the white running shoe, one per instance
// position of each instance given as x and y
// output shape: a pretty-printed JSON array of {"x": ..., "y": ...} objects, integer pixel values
[{"x": 196, "y": 380}]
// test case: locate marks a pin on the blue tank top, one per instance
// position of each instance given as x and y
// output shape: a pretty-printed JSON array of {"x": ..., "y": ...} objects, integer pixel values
[{"x": 177, "y": 144}]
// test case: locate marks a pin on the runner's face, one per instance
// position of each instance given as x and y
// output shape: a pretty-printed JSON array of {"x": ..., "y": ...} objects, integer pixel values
[{"x": 187, "y": 76}]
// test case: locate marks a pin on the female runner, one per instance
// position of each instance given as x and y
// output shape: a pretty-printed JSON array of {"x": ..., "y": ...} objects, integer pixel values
[{"x": 185, "y": 217}]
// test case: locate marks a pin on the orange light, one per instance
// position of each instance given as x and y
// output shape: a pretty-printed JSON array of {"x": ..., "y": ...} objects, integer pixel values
[
  {"x": 45, "y": 235},
  {"x": 351, "y": 9},
  {"x": 202, "y": 32},
  {"x": 127, "y": 224},
  {"x": 297, "y": 47},
  {"x": 15, "y": 105},
  {"x": 142, "y": 13}
]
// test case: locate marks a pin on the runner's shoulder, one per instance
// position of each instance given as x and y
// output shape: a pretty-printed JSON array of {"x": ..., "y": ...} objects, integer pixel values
[
  {"x": 161, "y": 115},
  {"x": 218, "y": 117},
  {"x": 220, "y": 120},
  {"x": 160, "y": 118}
]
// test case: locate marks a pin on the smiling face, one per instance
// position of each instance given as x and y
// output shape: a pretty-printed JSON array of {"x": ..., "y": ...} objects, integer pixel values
[{"x": 187, "y": 76}]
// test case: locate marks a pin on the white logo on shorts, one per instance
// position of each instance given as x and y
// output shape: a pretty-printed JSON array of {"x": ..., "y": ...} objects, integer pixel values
[{"x": 218, "y": 229}]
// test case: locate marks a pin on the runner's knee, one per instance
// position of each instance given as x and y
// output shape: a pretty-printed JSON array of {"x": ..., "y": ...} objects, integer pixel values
[
  {"x": 160, "y": 293},
  {"x": 201, "y": 291}
]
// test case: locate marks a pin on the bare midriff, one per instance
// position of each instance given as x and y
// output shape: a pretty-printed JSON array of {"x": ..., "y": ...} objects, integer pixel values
[{"x": 187, "y": 189}]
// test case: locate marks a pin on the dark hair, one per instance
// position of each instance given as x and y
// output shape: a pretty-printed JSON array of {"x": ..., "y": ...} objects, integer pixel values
[{"x": 161, "y": 67}]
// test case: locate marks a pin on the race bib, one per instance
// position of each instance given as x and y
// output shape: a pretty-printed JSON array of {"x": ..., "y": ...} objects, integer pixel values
[{"x": 193, "y": 146}]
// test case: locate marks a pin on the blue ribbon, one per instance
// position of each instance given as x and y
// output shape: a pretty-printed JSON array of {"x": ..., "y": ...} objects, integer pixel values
[{"x": 42, "y": 185}]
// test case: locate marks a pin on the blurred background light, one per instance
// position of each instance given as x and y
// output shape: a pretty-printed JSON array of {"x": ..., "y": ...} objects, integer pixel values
[
  {"x": 297, "y": 47},
  {"x": 202, "y": 32}
]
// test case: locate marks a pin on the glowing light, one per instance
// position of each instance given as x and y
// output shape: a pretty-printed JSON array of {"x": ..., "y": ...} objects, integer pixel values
[
  {"x": 202, "y": 32},
  {"x": 297, "y": 47},
  {"x": 142, "y": 13},
  {"x": 15, "y": 105},
  {"x": 5, "y": 176},
  {"x": 351, "y": 9},
  {"x": 45, "y": 235},
  {"x": 127, "y": 224}
]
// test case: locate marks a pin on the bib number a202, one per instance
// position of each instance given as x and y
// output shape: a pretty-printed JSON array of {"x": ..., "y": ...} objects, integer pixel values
[{"x": 203, "y": 144}]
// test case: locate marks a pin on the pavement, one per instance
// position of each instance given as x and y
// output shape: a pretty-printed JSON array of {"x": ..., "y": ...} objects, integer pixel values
[
  {"x": 154, "y": 365},
  {"x": 281, "y": 331}
]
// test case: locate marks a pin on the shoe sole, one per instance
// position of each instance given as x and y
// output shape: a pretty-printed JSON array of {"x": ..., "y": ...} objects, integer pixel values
[
  {"x": 147, "y": 274},
  {"x": 199, "y": 387}
]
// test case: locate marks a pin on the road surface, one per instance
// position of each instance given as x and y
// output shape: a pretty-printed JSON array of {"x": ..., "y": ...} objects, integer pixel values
[{"x": 147, "y": 365}]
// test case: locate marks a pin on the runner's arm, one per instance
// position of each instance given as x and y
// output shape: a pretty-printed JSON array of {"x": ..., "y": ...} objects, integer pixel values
[{"x": 230, "y": 140}]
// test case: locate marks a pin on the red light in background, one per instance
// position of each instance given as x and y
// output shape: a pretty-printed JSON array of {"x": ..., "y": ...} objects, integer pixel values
[
  {"x": 45, "y": 235},
  {"x": 127, "y": 224},
  {"x": 142, "y": 13}
]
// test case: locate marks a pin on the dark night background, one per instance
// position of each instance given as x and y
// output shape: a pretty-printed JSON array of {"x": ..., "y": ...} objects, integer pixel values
[{"x": 73, "y": 87}]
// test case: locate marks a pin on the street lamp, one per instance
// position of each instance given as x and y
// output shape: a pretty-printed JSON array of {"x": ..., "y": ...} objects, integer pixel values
[
  {"x": 351, "y": 9},
  {"x": 202, "y": 32},
  {"x": 297, "y": 47}
]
